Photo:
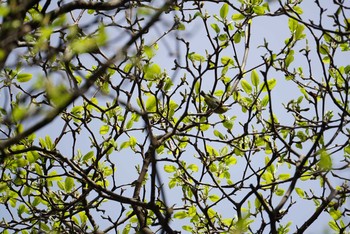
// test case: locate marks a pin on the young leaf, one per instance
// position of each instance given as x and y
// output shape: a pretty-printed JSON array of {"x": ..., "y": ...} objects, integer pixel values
[
  {"x": 193, "y": 167},
  {"x": 270, "y": 83},
  {"x": 215, "y": 27},
  {"x": 214, "y": 198},
  {"x": 237, "y": 16},
  {"x": 224, "y": 11},
  {"x": 169, "y": 168},
  {"x": 104, "y": 129},
  {"x": 151, "y": 104},
  {"x": 255, "y": 78},
  {"x": 69, "y": 184},
  {"x": 24, "y": 77},
  {"x": 246, "y": 86},
  {"x": 180, "y": 215},
  {"x": 300, "y": 192}
]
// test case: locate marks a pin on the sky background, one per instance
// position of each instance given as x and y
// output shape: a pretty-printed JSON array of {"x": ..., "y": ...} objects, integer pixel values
[{"x": 275, "y": 31}]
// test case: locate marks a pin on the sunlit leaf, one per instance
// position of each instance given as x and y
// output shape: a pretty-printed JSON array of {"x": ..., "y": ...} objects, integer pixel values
[
  {"x": 271, "y": 83},
  {"x": 336, "y": 214},
  {"x": 151, "y": 103},
  {"x": 325, "y": 162},
  {"x": 104, "y": 129},
  {"x": 224, "y": 10},
  {"x": 88, "y": 156},
  {"x": 169, "y": 168},
  {"x": 214, "y": 198},
  {"x": 259, "y": 10},
  {"x": 187, "y": 228},
  {"x": 69, "y": 184},
  {"x": 226, "y": 60},
  {"x": 284, "y": 176},
  {"x": 24, "y": 77},
  {"x": 237, "y": 16},
  {"x": 215, "y": 27},
  {"x": 279, "y": 192},
  {"x": 246, "y": 86},
  {"x": 180, "y": 215},
  {"x": 332, "y": 224},
  {"x": 152, "y": 72},
  {"x": 255, "y": 78},
  {"x": 193, "y": 167}
]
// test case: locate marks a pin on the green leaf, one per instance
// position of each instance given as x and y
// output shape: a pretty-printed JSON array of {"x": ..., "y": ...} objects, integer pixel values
[
  {"x": 49, "y": 144},
  {"x": 21, "y": 209},
  {"x": 270, "y": 83},
  {"x": 257, "y": 203},
  {"x": 187, "y": 228},
  {"x": 129, "y": 124},
  {"x": 132, "y": 141},
  {"x": 246, "y": 86},
  {"x": 88, "y": 156},
  {"x": 21, "y": 162},
  {"x": 77, "y": 110},
  {"x": 24, "y": 77},
  {"x": 127, "y": 228},
  {"x": 336, "y": 214},
  {"x": 148, "y": 51},
  {"x": 180, "y": 215},
  {"x": 265, "y": 100},
  {"x": 325, "y": 162},
  {"x": 237, "y": 38},
  {"x": 172, "y": 183},
  {"x": 332, "y": 224},
  {"x": 292, "y": 24},
  {"x": 228, "y": 124},
  {"x": 298, "y": 10},
  {"x": 69, "y": 184},
  {"x": 19, "y": 113},
  {"x": 152, "y": 72},
  {"x": 231, "y": 161},
  {"x": 104, "y": 129},
  {"x": 181, "y": 27},
  {"x": 38, "y": 169},
  {"x": 279, "y": 192},
  {"x": 193, "y": 167},
  {"x": 284, "y": 176},
  {"x": 237, "y": 16},
  {"x": 125, "y": 144},
  {"x": 259, "y": 10},
  {"x": 196, "y": 57},
  {"x": 215, "y": 27},
  {"x": 169, "y": 168},
  {"x": 204, "y": 127},
  {"x": 211, "y": 213},
  {"x": 300, "y": 192},
  {"x": 197, "y": 87},
  {"x": 347, "y": 150},
  {"x": 32, "y": 156},
  {"x": 224, "y": 11},
  {"x": 254, "y": 77},
  {"x": 217, "y": 133},
  {"x": 4, "y": 10},
  {"x": 83, "y": 45},
  {"x": 151, "y": 103},
  {"x": 192, "y": 211},
  {"x": 214, "y": 198},
  {"x": 289, "y": 58},
  {"x": 26, "y": 191},
  {"x": 299, "y": 33},
  {"x": 128, "y": 67},
  {"x": 226, "y": 60}
]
